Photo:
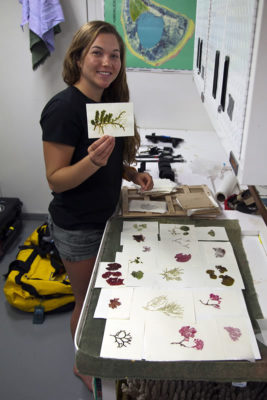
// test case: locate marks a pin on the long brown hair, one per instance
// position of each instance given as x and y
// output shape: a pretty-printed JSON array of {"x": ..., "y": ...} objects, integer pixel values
[{"x": 118, "y": 90}]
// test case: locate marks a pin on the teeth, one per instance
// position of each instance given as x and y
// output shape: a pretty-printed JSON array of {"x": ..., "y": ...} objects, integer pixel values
[{"x": 105, "y": 73}]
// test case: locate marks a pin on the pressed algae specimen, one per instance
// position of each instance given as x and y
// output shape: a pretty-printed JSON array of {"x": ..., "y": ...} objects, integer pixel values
[
  {"x": 114, "y": 303},
  {"x": 162, "y": 304},
  {"x": 137, "y": 260},
  {"x": 139, "y": 238},
  {"x": 211, "y": 233},
  {"x": 146, "y": 249},
  {"x": 180, "y": 257},
  {"x": 172, "y": 274},
  {"x": 122, "y": 338},
  {"x": 176, "y": 230},
  {"x": 140, "y": 227},
  {"x": 103, "y": 119},
  {"x": 227, "y": 280},
  {"x": 189, "y": 340},
  {"x": 214, "y": 300},
  {"x": 115, "y": 281},
  {"x": 211, "y": 273},
  {"x": 234, "y": 333},
  {"x": 184, "y": 228},
  {"x": 221, "y": 268},
  {"x": 219, "y": 251},
  {"x": 137, "y": 274},
  {"x": 113, "y": 266}
]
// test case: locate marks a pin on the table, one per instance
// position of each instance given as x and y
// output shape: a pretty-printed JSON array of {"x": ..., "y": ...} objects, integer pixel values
[{"x": 200, "y": 168}]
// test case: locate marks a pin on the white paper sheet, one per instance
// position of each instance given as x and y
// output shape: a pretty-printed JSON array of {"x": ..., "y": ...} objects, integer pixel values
[
  {"x": 132, "y": 229},
  {"x": 220, "y": 268},
  {"x": 123, "y": 339},
  {"x": 162, "y": 304},
  {"x": 141, "y": 267},
  {"x": 178, "y": 266},
  {"x": 113, "y": 119},
  {"x": 109, "y": 277},
  {"x": 114, "y": 303},
  {"x": 237, "y": 340},
  {"x": 172, "y": 308},
  {"x": 139, "y": 243},
  {"x": 177, "y": 341},
  {"x": 140, "y": 226},
  {"x": 177, "y": 233},
  {"x": 148, "y": 206},
  {"x": 227, "y": 339},
  {"x": 217, "y": 303},
  {"x": 212, "y": 233}
]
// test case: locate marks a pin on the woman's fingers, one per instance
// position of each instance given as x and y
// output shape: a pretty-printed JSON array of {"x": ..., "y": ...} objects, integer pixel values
[
  {"x": 144, "y": 180},
  {"x": 101, "y": 150}
]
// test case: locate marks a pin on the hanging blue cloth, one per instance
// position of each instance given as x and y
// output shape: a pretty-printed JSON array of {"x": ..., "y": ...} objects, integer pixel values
[{"x": 43, "y": 18}]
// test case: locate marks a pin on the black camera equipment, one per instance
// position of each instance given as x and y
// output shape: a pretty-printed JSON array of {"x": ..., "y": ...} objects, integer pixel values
[
  {"x": 165, "y": 170},
  {"x": 166, "y": 139}
]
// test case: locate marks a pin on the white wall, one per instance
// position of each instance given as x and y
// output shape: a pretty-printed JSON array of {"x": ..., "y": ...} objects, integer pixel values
[
  {"x": 167, "y": 100},
  {"x": 161, "y": 100}
]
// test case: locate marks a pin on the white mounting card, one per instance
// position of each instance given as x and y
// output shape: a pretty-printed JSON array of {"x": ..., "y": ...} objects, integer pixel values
[
  {"x": 140, "y": 267},
  {"x": 111, "y": 274},
  {"x": 123, "y": 339},
  {"x": 113, "y": 119},
  {"x": 224, "y": 339},
  {"x": 145, "y": 228},
  {"x": 217, "y": 303},
  {"x": 220, "y": 268},
  {"x": 209, "y": 233},
  {"x": 114, "y": 303},
  {"x": 162, "y": 304}
]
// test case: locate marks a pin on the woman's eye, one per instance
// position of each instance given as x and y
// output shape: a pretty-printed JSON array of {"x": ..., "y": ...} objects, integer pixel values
[{"x": 96, "y": 53}]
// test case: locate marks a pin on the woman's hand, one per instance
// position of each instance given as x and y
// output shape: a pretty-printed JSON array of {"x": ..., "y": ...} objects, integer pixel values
[
  {"x": 144, "y": 180},
  {"x": 61, "y": 175},
  {"x": 100, "y": 151}
]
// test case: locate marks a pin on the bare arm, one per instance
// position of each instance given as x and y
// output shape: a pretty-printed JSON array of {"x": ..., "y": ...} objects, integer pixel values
[{"x": 62, "y": 176}]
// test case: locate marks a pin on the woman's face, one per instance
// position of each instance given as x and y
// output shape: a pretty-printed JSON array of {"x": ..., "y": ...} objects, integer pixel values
[{"x": 100, "y": 66}]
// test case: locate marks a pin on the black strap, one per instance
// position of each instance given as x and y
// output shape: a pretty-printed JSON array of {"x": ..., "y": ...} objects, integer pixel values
[{"x": 45, "y": 248}]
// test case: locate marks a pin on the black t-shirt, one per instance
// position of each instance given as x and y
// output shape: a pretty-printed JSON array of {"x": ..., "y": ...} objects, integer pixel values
[{"x": 64, "y": 120}]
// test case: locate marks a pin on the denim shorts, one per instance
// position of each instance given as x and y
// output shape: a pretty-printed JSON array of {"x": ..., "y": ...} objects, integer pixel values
[{"x": 75, "y": 245}]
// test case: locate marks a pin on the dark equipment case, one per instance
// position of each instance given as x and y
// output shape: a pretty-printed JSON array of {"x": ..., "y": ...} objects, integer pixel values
[{"x": 10, "y": 222}]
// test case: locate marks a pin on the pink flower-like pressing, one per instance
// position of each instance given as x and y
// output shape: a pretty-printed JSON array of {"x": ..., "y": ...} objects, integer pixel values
[
  {"x": 234, "y": 333},
  {"x": 199, "y": 344},
  {"x": 188, "y": 342},
  {"x": 187, "y": 332},
  {"x": 215, "y": 297},
  {"x": 180, "y": 257}
]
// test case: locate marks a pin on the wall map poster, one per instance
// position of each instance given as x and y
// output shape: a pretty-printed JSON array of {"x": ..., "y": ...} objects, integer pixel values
[{"x": 158, "y": 35}]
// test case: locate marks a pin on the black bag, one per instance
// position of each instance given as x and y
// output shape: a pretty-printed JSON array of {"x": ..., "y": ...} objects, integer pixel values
[{"x": 10, "y": 222}]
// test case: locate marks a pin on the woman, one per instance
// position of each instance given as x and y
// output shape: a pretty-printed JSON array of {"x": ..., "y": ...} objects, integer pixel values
[{"x": 85, "y": 175}]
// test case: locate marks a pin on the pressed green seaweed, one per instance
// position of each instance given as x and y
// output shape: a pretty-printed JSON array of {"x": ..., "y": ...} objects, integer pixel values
[
  {"x": 162, "y": 304},
  {"x": 137, "y": 274},
  {"x": 172, "y": 274},
  {"x": 103, "y": 119}
]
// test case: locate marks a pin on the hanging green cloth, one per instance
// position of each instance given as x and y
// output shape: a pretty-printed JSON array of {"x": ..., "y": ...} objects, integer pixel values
[{"x": 39, "y": 49}]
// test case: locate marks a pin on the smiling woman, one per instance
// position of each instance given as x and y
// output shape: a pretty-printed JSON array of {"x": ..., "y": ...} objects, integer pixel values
[
  {"x": 85, "y": 175},
  {"x": 99, "y": 66}
]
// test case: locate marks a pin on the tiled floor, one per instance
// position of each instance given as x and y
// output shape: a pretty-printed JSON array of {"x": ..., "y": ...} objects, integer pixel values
[{"x": 35, "y": 360}]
